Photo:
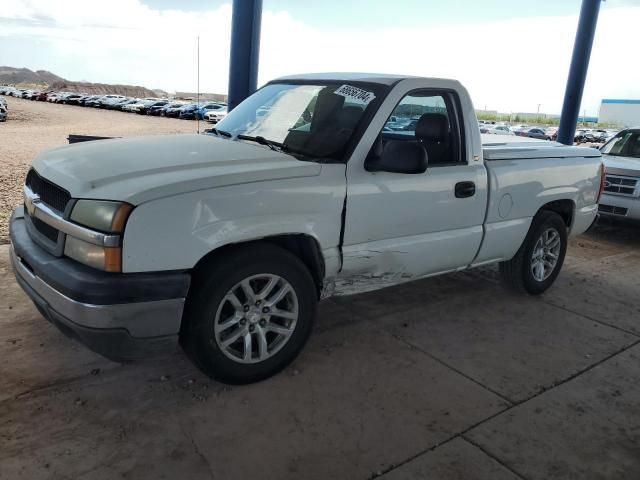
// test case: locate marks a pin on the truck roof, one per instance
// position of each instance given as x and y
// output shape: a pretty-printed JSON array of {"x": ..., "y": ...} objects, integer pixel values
[{"x": 381, "y": 78}]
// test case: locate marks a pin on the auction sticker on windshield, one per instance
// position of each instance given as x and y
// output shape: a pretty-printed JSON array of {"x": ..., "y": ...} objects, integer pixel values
[{"x": 355, "y": 94}]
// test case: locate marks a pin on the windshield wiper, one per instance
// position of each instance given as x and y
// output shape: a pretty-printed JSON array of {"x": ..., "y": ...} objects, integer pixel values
[
  {"x": 278, "y": 147},
  {"x": 220, "y": 133}
]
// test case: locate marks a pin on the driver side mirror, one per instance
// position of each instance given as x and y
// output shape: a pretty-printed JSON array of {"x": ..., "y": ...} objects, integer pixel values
[{"x": 397, "y": 156}]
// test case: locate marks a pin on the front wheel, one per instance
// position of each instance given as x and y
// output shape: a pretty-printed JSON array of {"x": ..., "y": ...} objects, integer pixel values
[
  {"x": 537, "y": 263},
  {"x": 250, "y": 314}
]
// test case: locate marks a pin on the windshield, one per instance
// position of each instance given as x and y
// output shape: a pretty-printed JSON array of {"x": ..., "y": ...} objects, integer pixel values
[
  {"x": 626, "y": 144},
  {"x": 316, "y": 121}
]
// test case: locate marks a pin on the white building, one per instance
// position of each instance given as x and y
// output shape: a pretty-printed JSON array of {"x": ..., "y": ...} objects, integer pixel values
[{"x": 620, "y": 112}]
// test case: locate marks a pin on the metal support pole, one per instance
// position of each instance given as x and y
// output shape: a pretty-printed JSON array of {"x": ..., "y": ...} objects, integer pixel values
[
  {"x": 578, "y": 71},
  {"x": 245, "y": 48}
]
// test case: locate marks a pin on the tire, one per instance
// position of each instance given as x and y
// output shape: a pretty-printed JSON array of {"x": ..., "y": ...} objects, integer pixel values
[
  {"x": 518, "y": 273},
  {"x": 216, "y": 297}
]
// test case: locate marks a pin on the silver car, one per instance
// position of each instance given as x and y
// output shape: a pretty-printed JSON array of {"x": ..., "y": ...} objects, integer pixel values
[{"x": 621, "y": 157}]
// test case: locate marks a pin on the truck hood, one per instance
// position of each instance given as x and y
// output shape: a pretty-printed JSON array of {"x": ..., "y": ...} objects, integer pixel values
[
  {"x": 629, "y": 166},
  {"x": 140, "y": 169}
]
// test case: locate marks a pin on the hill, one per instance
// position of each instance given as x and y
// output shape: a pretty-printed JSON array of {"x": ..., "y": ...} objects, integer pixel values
[
  {"x": 104, "y": 89},
  {"x": 14, "y": 76},
  {"x": 45, "y": 80}
]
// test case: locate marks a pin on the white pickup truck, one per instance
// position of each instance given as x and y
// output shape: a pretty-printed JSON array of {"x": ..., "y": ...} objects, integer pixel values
[
  {"x": 621, "y": 157},
  {"x": 227, "y": 241}
]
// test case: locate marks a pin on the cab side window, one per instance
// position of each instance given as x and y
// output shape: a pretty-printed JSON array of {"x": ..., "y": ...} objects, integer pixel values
[{"x": 430, "y": 118}]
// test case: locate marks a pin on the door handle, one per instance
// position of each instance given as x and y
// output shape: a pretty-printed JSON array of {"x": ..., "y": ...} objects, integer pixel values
[{"x": 465, "y": 189}]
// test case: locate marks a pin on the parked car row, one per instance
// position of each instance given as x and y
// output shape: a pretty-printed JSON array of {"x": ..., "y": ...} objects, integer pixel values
[
  {"x": 209, "y": 111},
  {"x": 582, "y": 135},
  {"x": 531, "y": 131},
  {"x": 586, "y": 135},
  {"x": 496, "y": 129},
  {"x": 534, "y": 132}
]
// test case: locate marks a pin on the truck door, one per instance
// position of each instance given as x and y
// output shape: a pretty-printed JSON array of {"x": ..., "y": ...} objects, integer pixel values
[{"x": 400, "y": 226}]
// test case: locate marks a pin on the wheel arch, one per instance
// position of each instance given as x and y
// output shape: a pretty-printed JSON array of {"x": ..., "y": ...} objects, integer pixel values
[
  {"x": 302, "y": 245},
  {"x": 565, "y": 208}
]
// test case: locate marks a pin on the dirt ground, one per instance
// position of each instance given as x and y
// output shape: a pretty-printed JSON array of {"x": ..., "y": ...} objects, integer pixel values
[
  {"x": 36, "y": 126},
  {"x": 446, "y": 378}
]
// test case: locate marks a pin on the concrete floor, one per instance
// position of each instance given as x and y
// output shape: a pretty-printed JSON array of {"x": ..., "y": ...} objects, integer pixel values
[{"x": 446, "y": 378}]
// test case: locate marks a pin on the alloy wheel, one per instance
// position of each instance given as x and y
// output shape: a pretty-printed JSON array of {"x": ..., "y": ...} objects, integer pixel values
[
  {"x": 546, "y": 253},
  {"x": 256, "y": 318}
]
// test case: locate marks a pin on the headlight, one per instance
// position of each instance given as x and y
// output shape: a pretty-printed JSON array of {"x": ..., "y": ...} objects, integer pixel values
[
  {"x": 104, "y": 216},
  {"x": 101, "y": 215}
]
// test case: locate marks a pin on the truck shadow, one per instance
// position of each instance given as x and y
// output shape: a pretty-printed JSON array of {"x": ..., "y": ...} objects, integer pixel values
[{"x": 620, "y": 232}]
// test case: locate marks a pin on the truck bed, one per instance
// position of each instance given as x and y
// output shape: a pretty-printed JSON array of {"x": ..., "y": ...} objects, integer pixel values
[
  {"x": 523, "y": 175},
  {"x": 508, "y": 147}
]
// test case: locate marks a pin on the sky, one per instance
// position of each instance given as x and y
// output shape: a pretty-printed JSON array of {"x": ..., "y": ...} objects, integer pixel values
[{"x": 512, "y": 55}]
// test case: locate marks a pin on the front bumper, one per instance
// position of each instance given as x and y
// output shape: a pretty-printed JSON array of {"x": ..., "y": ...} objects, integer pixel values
[
  {"x": 120, "y": 316},
  {"x": 619, "y": 206}
]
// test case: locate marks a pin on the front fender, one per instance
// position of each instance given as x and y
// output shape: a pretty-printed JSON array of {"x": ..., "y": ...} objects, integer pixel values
[{"x": 174, "y": 233}]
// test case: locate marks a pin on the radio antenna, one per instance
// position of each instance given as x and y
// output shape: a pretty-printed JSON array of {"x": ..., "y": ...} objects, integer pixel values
[{"x": 198, "y": 88}]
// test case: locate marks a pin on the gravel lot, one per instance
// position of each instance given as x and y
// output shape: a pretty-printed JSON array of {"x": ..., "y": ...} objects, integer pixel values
[{"x": 36, "y": 126}]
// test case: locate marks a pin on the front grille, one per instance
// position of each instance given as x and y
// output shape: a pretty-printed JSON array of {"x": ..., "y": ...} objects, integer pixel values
[
  {"x": 45, "y": 229},
  {"x": 50, "y": 194},
  {"x": 620, "y": 185},
  {"x": 612, "y": 210}
]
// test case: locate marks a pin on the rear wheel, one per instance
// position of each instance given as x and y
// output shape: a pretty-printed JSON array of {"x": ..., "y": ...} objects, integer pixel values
[
  {"x": 537, "y": 263},
  {"x": 250, "y": 315}
]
